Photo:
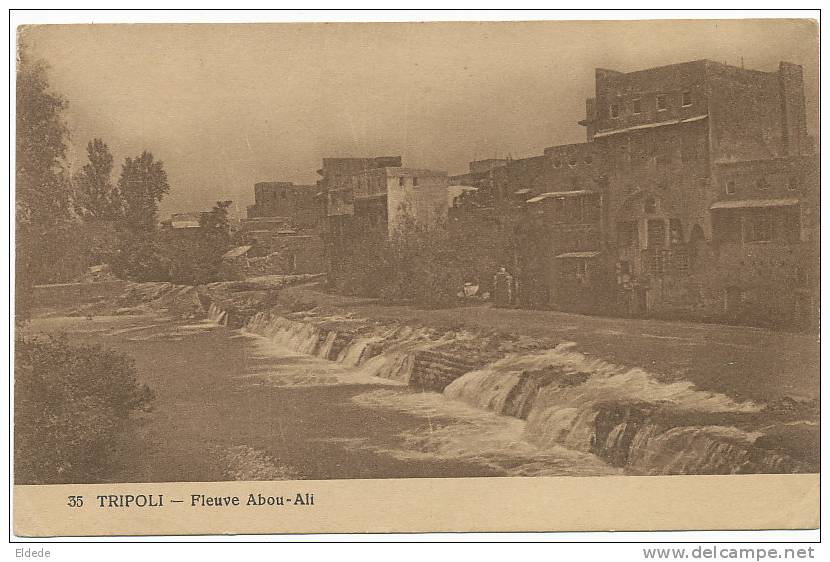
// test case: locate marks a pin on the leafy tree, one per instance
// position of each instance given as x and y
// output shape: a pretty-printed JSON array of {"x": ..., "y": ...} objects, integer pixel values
[
  {"x": 42, "y": 190},
  {"x": 143, "y": 184},
  {"x": 197, "y": 259},
  {"x": 216, "y": 224},
  {"x": 96, "y": 197}
]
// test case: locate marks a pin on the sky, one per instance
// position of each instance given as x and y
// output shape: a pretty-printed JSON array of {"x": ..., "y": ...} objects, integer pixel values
[{"x": 228, "y": 105}]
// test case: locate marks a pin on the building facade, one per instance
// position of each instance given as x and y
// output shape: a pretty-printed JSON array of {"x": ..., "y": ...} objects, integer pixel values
[{"x": 702, "y": 187}]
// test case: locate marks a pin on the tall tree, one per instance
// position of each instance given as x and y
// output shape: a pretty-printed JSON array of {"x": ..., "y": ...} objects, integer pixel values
[
  {"x": 216, "y": 224},
  {"x": 42, "y": 189},
  {"x": 96, "y": 197},
  {"x": 143, "y": 184},
  {"x": 43, "y": 192}
]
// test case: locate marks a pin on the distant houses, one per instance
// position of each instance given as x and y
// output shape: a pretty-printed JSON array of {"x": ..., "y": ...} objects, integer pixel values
[{"x": 694, "y": 195}]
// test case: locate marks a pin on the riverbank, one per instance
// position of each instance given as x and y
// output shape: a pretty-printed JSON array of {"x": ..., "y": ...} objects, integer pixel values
[
  {"x": 645, "y": 396},
  {"x": 651, "y": 397}
]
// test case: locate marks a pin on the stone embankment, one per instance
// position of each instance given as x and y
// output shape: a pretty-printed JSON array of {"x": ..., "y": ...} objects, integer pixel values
[{"x": 628, "y": 417}]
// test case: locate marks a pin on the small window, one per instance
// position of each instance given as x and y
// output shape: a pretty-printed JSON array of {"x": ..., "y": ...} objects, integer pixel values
[
  {"x": 615, "y": 110},
  {"x": 401, "y": 182},
  {"x": 675, "y": 232},
  {"x": 627, "y": 234},
  {"x": 414, "y": 182},
  {"x": 687, "y": 99},
  {"x": 793, "y": 183},
  {"x": 636, "y": 106},
  {"x": 760, "y": 227},
  {"x": 662, "y": 102},
  {"x": 730, "y": 187},
  {"x": 761, "y": 184},
  {"x": 656, "y": 233}
]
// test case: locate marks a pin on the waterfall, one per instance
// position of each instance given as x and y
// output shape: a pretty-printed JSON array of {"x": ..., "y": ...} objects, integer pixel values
[
  {"x": 624, "y": 415},
  {"x": 217, "y": 315},
  {"x": 386, "y": 352}
]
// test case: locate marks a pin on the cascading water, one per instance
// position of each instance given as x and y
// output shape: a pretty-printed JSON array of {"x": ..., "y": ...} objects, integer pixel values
[
  {"x": 626, "y": 416},
  {"x": 389, "y": 354},
  {"x": 217, "y": 315}
]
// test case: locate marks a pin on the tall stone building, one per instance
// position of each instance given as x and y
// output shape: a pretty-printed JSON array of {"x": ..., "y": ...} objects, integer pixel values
[
  {"x": 367, "y": 199},
  {"x": 707, "y": 187}
]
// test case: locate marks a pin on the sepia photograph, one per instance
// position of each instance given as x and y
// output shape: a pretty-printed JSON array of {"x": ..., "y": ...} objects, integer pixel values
[{"x": 416, "y": 252}]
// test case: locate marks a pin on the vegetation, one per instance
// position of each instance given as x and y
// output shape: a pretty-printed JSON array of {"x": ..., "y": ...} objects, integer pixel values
[
  {"x": 43, "y": 189},
  {"x": 70, "y": 403},
  {"x": 195, "y": 260},
  {"x": 96, "y": 198},
  {"x": 418, "y": 264}
]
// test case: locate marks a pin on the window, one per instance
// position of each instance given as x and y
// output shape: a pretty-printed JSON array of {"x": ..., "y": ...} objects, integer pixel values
[
  {"x": 761, "y": 184},
  {"x": 675, "y": 232},
  {"x": 627, "y": 234},
  {"x": 414, "y": 182},
  {"x": 662, "y": 102},
  {"x": 759, "y": 227},
  {"x": 401, "y": 182},
  {"x": 636, "y": 106},
  {"x": 614, "y": 110},
  {"x": 687, "y": 99},
  {"x": 656, "y": 234},
  {"x": 730, "y": 187},
  {"x": 689, "y": 149},
  {"x": 793, "y": 183}
]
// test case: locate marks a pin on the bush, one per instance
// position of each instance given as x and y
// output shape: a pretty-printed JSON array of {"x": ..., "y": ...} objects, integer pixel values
[
  {"x": 417, "y": 264},
  {"x": 71, "y": 401}
]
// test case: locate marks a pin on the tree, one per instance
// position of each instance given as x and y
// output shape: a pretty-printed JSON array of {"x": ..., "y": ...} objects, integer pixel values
[
  {"x": 42, "y": 189},
  {"x": 216, "y": 224},
  {"x": 195, "y": 260},
  {"x": 143, "y": 184},
  {"x": 96, "y": 197}
]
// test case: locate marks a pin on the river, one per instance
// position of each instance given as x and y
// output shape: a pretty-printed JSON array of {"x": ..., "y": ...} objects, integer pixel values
[{"x": 235, "y": 406}]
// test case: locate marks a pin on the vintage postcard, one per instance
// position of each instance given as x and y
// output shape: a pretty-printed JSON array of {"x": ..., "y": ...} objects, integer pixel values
[{"x": 416, "y": 277}]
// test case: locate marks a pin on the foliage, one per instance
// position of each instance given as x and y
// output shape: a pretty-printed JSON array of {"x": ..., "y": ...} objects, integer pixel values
[
  {"x": 141, "y": 257},
  {"x": 43, "y": 192},
  {"x": 142, "y": 184},
  {"x": 418, "y": 263},
  {"x": 70, "y": 403},
  {"x": 197, "y": 259},
  {"x": 96, "y": 197},
  {"x": 42, "y": 189}
]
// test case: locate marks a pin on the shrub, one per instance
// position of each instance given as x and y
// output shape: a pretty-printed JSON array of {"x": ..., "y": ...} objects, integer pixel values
[{"x": 71, "y": 401}]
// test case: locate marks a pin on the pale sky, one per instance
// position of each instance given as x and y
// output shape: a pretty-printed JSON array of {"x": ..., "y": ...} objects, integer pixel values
[{"x": 228, "y": 105}]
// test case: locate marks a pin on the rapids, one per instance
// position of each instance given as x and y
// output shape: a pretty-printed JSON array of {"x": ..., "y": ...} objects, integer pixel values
[{"x": 642, "y": 422}]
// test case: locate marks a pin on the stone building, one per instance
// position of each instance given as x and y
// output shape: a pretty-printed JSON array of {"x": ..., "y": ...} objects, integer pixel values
[
  {"x": 707, "y": 188},
  {"x": 367, "y": 199},
  {"x": 690, "y": 146},
  {"x": 283, "y": 230},
  {"x": 296, "y": 203}
]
